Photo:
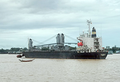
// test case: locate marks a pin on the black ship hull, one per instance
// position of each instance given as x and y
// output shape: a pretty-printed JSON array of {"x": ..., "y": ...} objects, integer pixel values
[{"x": 65, "y": 55}]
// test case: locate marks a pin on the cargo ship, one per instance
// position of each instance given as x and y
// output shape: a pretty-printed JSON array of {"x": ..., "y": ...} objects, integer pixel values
[{"x": 89, "y": 46}]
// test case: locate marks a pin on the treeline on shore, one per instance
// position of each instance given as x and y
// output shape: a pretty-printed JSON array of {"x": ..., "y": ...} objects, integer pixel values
[
  {"x": 20, "y": 50},
  {"x": 12, "y": 50},
  {"x": 113, "y": 49}
]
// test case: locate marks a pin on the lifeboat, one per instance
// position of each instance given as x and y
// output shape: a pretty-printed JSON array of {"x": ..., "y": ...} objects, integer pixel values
[{"x": 80, "y": 44}]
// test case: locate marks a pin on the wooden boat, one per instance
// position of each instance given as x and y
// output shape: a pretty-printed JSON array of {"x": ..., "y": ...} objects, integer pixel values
[
  {"x": 24, "y": 60},
  {"x": 19, "y": 56}
]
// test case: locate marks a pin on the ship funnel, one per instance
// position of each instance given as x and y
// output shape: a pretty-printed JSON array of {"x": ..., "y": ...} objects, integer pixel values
[{"x": 93, "y": 32}]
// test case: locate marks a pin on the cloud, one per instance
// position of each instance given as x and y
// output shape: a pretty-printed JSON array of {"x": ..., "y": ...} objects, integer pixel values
[
  {"x": 54, "y": 13},
  {"x": 25, "y": 18}
]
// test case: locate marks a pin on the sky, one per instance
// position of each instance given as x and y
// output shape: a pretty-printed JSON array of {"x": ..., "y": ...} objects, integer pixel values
[{"x": 43, "y": 19}]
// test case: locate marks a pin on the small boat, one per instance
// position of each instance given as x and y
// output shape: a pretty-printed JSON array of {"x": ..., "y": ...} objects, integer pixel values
[
  {"x": 26, "y": 60},
  {"x": 19, "y": 56}
]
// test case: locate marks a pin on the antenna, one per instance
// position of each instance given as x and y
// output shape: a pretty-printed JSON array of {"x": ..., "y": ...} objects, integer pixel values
[{"x": 89, "y": 22}]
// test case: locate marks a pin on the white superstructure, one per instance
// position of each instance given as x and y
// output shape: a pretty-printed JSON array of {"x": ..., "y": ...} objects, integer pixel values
[{"x": 90, "y": 44}]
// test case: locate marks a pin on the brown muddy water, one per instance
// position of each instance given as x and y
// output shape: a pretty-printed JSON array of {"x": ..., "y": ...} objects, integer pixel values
[{"x": 60, "y": 70}]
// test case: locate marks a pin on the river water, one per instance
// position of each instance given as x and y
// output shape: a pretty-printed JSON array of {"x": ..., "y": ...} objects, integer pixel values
[{"x": 60, "y": 70}]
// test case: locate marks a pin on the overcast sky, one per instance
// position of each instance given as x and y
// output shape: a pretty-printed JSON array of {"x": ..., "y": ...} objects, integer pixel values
[{"x": 42, "y": 19}]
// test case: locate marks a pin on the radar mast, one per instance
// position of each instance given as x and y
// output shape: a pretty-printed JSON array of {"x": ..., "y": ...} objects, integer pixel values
[{"x": 89, "y": 22}]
